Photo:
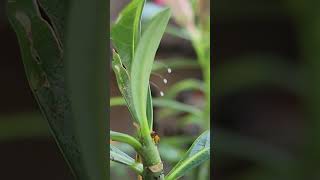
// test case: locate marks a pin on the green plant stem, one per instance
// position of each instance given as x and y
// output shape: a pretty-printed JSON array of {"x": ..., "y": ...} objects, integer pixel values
[
  {"x": 153, "y": 168},
  {"x": 125, "y": 138}
]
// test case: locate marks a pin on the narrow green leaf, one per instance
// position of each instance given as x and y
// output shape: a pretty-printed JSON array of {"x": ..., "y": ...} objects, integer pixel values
[
  {"x": 125, "y": 33},
  {"x": 117, "y": 155},
  {"x": 198, "y": 153},
  {"x": 123, "y": 81},
  {"x": 143, "y": 61}
]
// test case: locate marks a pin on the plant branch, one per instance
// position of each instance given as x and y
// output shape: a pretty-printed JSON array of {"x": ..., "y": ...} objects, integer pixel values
[{"x": 125, "y": 138}]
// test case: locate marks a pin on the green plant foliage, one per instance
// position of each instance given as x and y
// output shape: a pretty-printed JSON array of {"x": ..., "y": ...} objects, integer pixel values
[
  {"x": 41, "y": 28},
  {"x": 42, "y": 59},
  {"x": 117, "y": 155},
  {"x": 184, "y": 85},
  {"x": 125, "y": 33},
  {"x": 145, "y": 54},
  {"x": 198, "y": 153},
  {"x": 123, "y": 81}
]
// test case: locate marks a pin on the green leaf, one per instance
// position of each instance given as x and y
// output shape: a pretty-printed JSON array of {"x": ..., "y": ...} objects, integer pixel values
[
  {"x": 166, "y": 103},
  {"x": 123, "y": 81},
  {"x": 143, "y": 61},
  {"x": 198, "y": 153},
  {"x": 125, "y": 33},
  {"x": 187, "y": 84},
  {"x": 117, "y": 155},
  {"x": 42, "y": 56}
]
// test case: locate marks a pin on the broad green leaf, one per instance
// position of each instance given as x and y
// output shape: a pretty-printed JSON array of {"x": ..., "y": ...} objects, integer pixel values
[
  {"x": 87, "y": 84},
  {"x": 143, "y": 61},
  {"x": 42, "y": 56},
  {"x": 123, "y": 81},
  {"x": 117, "y": 155},
  {"x": 125, "y": 33},
  {"x": 198, "y": 153}
]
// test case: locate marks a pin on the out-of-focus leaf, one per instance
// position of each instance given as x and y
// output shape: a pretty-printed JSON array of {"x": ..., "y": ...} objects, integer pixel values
[
  {"x": 87, "y": 85},
  {"x": 239, "y": 146},
  {"x": 23, "y": 126},
  {"x": 174, "y": 64},
  {"x": 125, "y": 33},
  {"x": 177, "y": 106},
  {"x": 142, "y": 64},
  {"x": 198, "y": 153},
  {"x": 184, "y": 85},
  {"x": 165, "y": 103},
  {"x": 117, "y": 155},
  {"x": 252, "y": 71},
  {"x": 178, "y": 32},
  {"x": 170, "y": 153}
]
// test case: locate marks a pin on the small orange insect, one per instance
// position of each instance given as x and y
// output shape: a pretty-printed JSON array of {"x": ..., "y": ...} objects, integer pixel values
[{"x": 155, "y": 137}]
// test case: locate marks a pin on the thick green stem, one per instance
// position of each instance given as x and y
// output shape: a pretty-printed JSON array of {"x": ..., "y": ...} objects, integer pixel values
[{"x": 153, "y": 167}]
